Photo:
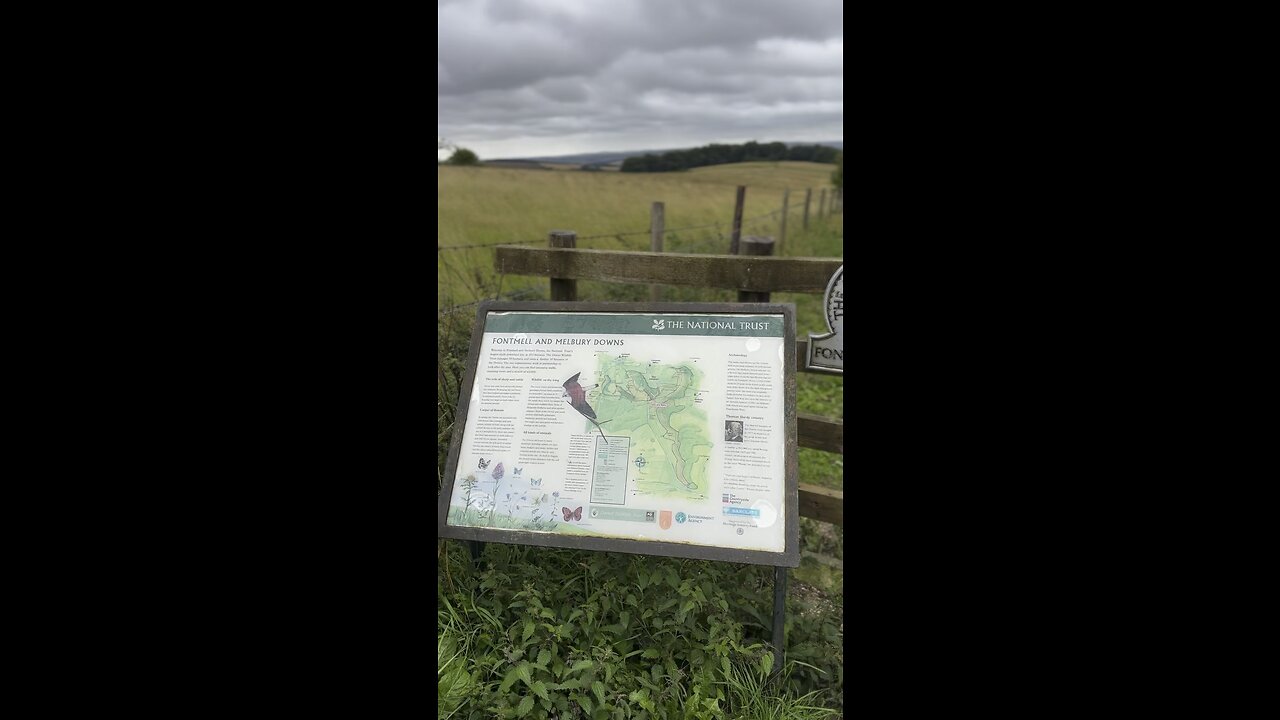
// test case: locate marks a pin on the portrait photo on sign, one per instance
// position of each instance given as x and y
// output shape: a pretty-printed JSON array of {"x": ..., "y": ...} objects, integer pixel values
[{"x": 733, "y": 430}]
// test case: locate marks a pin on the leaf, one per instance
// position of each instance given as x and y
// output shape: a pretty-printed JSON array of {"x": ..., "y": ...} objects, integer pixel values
[
  {"x": 540, "y": 690},
  {"x": 585, "y": 702},
  {"x": 522, "y": 672},
  {"x": 525, "y": 706},
  {"x": 597, "y": 687},
  {"x": 651, "y": 653},
  {"x": 625, "y": 617},
  {"x": 638, "y": 695},
  {"x": 543, "y": 657},
  {"x": 508, "y": 681},
  {"x": 581, "y": 665},
  {"x": 766, "y": 663},
  {"x": 528, "y": 630}
]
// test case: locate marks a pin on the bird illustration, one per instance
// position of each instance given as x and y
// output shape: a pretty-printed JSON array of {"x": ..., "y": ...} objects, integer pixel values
[{"x": 578, "y": 399}]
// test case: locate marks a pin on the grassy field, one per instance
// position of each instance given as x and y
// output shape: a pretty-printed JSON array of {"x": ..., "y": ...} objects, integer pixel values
[
  {"x": 481, "y": 204},
  {"x": 636, "y": 652}
]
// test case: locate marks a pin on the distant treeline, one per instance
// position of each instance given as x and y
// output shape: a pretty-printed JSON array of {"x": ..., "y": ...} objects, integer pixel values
[{"x": 721, "y": 154}]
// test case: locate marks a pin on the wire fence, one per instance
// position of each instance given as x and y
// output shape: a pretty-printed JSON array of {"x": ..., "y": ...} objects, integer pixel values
[{"x": 466, "y": 271}]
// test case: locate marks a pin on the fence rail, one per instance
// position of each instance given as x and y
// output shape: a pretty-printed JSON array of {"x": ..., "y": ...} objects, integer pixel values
[
  {"x": 728, "y": 272},
  {"x": 753, "y": 275}
]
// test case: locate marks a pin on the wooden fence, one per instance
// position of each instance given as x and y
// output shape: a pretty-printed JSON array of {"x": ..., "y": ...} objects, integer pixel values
[{"x": 754, "y": 274}]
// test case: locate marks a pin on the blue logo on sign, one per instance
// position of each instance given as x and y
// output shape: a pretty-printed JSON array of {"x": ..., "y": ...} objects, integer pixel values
[
  {"x": 681, "y": 517},
  {"x": 750, "y": 512}
]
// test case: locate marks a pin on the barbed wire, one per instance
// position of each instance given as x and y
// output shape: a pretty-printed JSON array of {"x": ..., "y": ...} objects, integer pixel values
[
  {"x": 751, "y": 222},
  {"x": 612, "y": 235},
  {"x": 512, "y": 296},
  {"x": 440, "y": 248}
]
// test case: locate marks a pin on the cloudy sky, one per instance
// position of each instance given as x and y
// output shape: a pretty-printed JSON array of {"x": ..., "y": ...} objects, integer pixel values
[{"x": 521, "y": 78}]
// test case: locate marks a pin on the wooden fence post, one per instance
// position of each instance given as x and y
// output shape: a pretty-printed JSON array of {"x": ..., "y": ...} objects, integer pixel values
[
  {"x": 562, "y": 289},
  {"x": 782, "y": 227},
  {"x": 737, "y": 219},
  {"x": 808, "y": 195},
  {"x": 657, "y": 226},
  {"x": 753, "y": 245},
  {"x": 822, "y": 204}
]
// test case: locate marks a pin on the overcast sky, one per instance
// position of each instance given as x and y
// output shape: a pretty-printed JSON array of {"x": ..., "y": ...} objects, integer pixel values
[{"x": 521, "y": 78}]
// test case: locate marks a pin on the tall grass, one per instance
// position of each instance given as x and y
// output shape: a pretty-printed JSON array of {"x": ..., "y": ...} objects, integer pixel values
[{"x": 480, "y": 204}]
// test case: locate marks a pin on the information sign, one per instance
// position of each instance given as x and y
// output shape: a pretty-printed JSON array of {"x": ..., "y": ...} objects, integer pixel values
[{"x": 653, "y": 428}]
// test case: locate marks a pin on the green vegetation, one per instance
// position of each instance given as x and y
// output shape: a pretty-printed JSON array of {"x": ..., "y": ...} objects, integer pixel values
[
  {"x": 546, "y": 633},
  {"x": 490, "y": 204},
  {"x": 677, "y": 160},
  {"x": 837, "y": 177},
  {"x": 464, "y": 157},
  {"x": 549, "y": 633}
]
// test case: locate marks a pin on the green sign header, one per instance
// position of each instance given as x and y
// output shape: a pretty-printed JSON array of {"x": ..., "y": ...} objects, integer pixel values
[{"x": 634, "y": 324}]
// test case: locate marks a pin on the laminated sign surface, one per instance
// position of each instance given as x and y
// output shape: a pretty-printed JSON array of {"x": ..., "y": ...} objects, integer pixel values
[{"x": 656, "y": 431}]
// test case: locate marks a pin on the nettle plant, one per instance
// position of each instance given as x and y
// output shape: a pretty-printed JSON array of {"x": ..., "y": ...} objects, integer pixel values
[{"x": 573, "y": 634}]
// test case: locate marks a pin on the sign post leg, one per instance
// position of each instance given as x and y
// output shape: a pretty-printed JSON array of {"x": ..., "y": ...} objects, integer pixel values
[
  {"x": 477, "y": 547},
  {"x": 779, "y": 615}
]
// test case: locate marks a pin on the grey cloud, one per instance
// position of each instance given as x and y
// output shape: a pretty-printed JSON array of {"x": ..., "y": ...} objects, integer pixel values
[{"x": 629, "y": 69}]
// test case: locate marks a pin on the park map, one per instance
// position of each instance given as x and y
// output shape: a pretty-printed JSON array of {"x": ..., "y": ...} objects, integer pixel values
[{"x": 656, "y": 405}]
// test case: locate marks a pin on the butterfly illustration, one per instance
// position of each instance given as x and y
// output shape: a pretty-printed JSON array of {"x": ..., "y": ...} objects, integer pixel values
[
  {"x": 516, "y": 472},
  {"x": 572, "y": 514},
  {"x": 484, "y": 463},
  {"x": 497, "y": 471},
  {"x": 535, "y": 482}
]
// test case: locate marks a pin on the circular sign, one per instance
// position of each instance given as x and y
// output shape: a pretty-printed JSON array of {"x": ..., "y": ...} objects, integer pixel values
[{"x": 833, "y": 302}]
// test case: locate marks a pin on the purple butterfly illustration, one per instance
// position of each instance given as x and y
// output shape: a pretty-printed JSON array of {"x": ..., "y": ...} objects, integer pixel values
[
  {"x": 572, "y": 514},
  {"x": 497, "y": 471}
]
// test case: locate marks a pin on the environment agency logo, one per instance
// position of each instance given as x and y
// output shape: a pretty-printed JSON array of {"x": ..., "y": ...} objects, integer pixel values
[
  {"x": 659, "y": 324},
  {"x": 681, "y": 517}
]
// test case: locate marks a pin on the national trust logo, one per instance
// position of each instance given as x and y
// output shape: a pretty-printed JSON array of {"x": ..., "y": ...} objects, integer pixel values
[{"x": 659, "y": 324}]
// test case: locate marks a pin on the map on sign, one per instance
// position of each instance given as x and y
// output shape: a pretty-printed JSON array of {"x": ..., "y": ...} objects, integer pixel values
[{"x": 654, "y": 405}]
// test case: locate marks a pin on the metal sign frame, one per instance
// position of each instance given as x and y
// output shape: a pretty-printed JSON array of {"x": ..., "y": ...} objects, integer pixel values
[{"x": 790, "y": 557}]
